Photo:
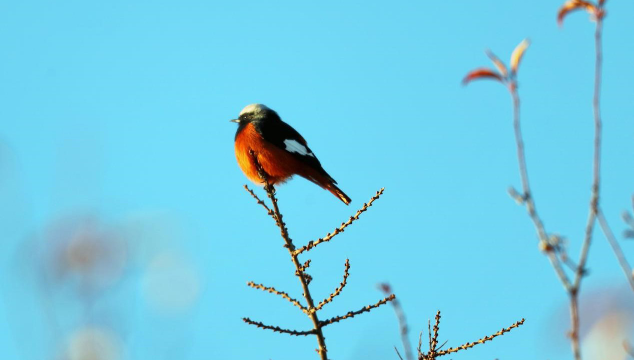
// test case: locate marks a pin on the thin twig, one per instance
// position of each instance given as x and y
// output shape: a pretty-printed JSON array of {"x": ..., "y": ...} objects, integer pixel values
[
  {"x": 565, "y": 259},
  {"x": 272, "y": 290},
  {"x": 352, "y": 314},
  {"x": 574, "y": 324},
  {"x": 434, "y": 339},
  {"x": 596, "y": 173},
  {"x": 616, "y": 248},
  {"x": 580, "y": 269},
  {"x": 551, "y": 250},
  {"x": 341, "y": 228},
  {"x": 480, "y": 341},
  {"x": 431, "y": 348},
  {"x": 300, "y": 269},
  {"x": 527, "y": 196},
  {"x": 338, "y": 289},
  {"x": 435, "y": 350},
  {"x": 268, "y": 211},
  {"x": 278, "y": 329},
  {"x": 303, "y": 268},
  {"x": 594, "y": 199},
  {"x": 402, "y": 322}
]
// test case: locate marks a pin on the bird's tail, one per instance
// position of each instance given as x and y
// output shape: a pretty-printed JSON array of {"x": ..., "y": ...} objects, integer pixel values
[{"x": 338, "y": 193}]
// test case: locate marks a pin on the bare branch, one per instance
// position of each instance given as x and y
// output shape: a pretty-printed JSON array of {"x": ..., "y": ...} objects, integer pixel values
[
  {"x": 596, "y": 165},
  {"x": 434, "y": 339},
  {"x": 609, "y": 235},
  {"x": 303, "y": 277},
  {"x": 480, "y": 341},
  {"x": 278, "y": 329},
  {"x": 303, "y": 268},
  {"x": 420, "y": 344},
  {"x": 352, "y": 314},
  {"x": 529, "y": 202},
  {"x": 272, "y": 290},
  {"x": 429, "y": 334},
  {"x": 402, "y": 322},
  {"x": 341, "y": 228},
  {"x": 268, "y": 211},
  {"x": 338, "y": 289},
  {"x": 300, "y": 269}
]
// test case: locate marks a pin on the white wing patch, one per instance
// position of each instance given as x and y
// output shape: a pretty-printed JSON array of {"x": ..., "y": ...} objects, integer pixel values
[{"x": 295, "y": 147}]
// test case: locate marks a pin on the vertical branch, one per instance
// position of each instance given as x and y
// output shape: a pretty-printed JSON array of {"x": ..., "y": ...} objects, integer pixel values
[
  {"x": 321, "y": 341},
  {"x": 527, "y": 196},
  {"x": 596, "y": 102},
  {"x": 594, "y": 199},
  {"x": 597, "y": 110},
  {"x": 549, "y": 248},
  {"x": 300, "y": 269},
  {"x": 574, "y": 324},
  {"x": 402, "y": 322},
  {"x": 317, "y": 326},
  {"x": 549, "y": 244}
]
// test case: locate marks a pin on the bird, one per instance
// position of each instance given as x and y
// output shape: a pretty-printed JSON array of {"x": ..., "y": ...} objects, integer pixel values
[{"x": 279, "y": 149}]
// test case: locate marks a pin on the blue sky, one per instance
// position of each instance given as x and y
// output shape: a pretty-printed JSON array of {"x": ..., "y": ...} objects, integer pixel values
[{"x": 117, "y": 112}]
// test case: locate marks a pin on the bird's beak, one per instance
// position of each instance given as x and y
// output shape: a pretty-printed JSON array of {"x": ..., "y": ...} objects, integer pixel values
[{"x": 235, "y": 120}]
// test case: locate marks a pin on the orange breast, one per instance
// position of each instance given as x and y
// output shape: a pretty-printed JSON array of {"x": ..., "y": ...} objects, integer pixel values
[{"x": 277, "y": 163}]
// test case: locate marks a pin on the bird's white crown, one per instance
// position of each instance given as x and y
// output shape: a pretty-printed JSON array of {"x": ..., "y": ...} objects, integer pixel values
[{"x": 253, "y": 108}]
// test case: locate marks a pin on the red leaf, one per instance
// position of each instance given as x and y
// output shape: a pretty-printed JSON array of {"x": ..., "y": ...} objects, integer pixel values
[
  {"x": 572, "y": 5},
  {"x": 481, "y": 73}
]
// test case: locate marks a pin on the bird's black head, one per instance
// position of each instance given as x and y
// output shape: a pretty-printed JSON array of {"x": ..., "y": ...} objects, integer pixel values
[{"x": 256, "y": 113}]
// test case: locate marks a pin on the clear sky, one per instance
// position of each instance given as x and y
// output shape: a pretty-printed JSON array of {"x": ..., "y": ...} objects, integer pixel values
[{"x": 114, "y": 121}]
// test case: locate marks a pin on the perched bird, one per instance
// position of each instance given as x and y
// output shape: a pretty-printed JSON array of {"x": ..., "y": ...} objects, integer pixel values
[{"x": 281, "y": 151}]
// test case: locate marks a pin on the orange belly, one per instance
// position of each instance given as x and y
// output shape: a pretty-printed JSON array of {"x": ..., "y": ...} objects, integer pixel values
[{"x": 277, "y": 163}]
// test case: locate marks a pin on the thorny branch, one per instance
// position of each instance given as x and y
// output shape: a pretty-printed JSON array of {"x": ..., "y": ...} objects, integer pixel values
[
  {"x": 304, "y": 267},
  {"x": 341, "y": 228},
  {"x": 436, "y": 351},
  {"x": 272, "y": 290},
  {"x": 338, "y": 289},
  {"x": 260, "y": 202},
  {"x": 480, "y": 341},
  {"x": 321, "y": 341},
  {"x": 434, "y": 339},
  {"x": 300, "y": 269},
  {"x": 352, "y": 314},
  {"x": 278, "y": 329}
]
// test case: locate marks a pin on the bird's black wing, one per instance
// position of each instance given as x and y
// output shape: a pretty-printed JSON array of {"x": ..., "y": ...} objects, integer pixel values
[{"x": 288, "y": 139}]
